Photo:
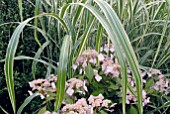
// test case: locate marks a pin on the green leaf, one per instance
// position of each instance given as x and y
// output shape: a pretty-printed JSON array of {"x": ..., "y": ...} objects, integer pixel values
[
  {"x": 31, "y": 58},
  {"x": 42, "y": 111},
  {"x": 86, "y": 35},
  {"x": 3, "y": 110},
  {"x": 11, "y": 50},
  {"x": 20, "y": 9},
  {"x": 133, "y": 110},
  {"x": 37, "y": 10},
  {"x": 102, "y": 112},
  {"x": 148, "y": 84},
  {"x": 163, "y": 60},
  {"x": 62, "y": 71},
  {"x": 150, "y": 91},
  {"x": 119, "y": 37},
  {"x": 9, "y": 61},
  {"x": 162, "y": 37},
  {"x": 89, "y": 72},
  {"x": 114, "y": 87},
  {"x": 166, "y": 104},
  {"x": 37, "y": 56},
  {"x": 97, "y": 92},
  {"x": 26, "y": 102},
  {"x": 99, "y": 37}
]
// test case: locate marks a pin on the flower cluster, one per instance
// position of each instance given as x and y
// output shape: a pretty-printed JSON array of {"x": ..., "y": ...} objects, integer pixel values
[
  {"x": 82, "y": 107},
  {"x": 74, "y": 85},
  {"x": 131, "y": 99},
  {"x": 107, "y": 48},
  {"x": 96, "y": 101},
  {"x": 104, "y": 68},
  {"x": 99, "y": 101},
  {"x": 108, "y": 66},
  {"x": 161, "y": 83},
  {"x": 88, "y": 56},
  {"x": 43, "y": 86}
]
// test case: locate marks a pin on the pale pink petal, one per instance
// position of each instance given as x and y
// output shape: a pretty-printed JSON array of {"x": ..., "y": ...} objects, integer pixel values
[
  {"x": 106, "y": 49},
  {"x": 101, "y": 57},
  {"x": 84, "y": 64},
  {"x": 30, "y": 93},
  {"x": 53, "y": 85},
  {"x": 80, "y": 72},
  {"x": 100, "y": 96},
  {"x": 95, "y": 72},
  {"x": 112, "y": 49},
  {"x": 101, "y": 49},
  {"x": 98, "y": 78},
  {"x": 146, "y": 101},
  {"x": 57, "y": 63},
  {"x": 70, "y": 91},
  {"x": 109, "y": 69},
  {"x": 113, "y": 105},
  {"x": 84, "y": 86},
  {"x": 42, "y": 96},
  {"x": 74, "y": 66},
  {"x": 31, "y": 84},
  {"x": 111, "y": 56}
]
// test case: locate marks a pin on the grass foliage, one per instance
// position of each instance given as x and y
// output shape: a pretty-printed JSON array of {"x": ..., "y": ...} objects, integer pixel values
[{"x": 138, "y": 29}]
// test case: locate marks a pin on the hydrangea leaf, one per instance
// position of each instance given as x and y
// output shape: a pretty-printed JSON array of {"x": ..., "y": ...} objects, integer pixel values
[{"x": 89, "y": 72}]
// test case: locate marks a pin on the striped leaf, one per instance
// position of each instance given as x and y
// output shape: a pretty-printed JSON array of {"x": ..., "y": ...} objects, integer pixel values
[
  {"x": 3, "y": 110},
  {"x": 26, "y": 102},
  {"x": 9, "y": 62},
  {"x": 37, "y": 10},
  {"x": 20, "y": 9},
  {"x": 37, "y": 56},
  {"x": 62, "y": 71},
  {"x": 11, "y": 50}
]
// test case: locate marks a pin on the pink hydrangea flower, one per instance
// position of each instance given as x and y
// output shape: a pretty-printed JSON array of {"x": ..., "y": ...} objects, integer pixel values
[
  {"x": 43, "y": 86},
  {"x": 77, "y": 84}
]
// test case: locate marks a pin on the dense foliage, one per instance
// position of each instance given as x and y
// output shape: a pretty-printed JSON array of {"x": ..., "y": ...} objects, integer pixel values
[{"x": 128, "y": 70}]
